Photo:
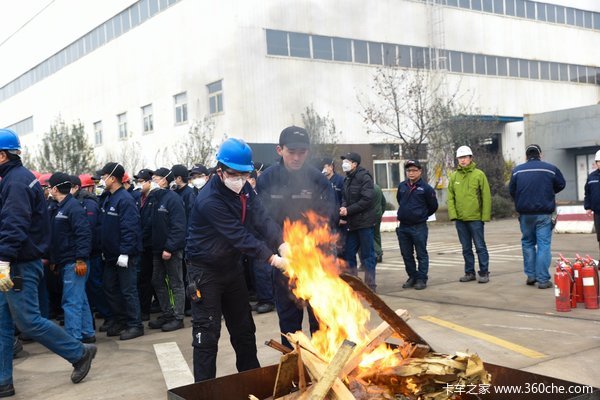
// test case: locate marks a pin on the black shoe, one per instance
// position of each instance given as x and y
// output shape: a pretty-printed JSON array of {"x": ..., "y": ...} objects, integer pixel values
[
  {"x": 7, "y": 390},
  {"x": 485, "y": 278},
  {"x": 145, "y": 316},
  {"x": 132, "y": 333},
  {"x": 105, "y": 325},
  {"x": 89, "y": 339},
  {"x": 545, "y": 285},
  {"x": 265, "y": 308},
  {"x": 467, "y": 278},
  {"x": 82, "y": 367},
  {"x": 17, "y": 347},
  {"x": 409, "y": 283},
  {"x": 530, "y": 281},
  {"x": 159, "y": 322},
  {"x": 172, "y": 325},
  {"x": 420, "y": 285},
  {"x": 115, "y": 329},
  {"x": 24, "y": 338},
  {"x": 188, "y": 312}
]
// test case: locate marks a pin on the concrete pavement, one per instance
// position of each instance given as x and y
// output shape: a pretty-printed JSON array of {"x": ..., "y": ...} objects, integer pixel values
[{"x": 504, "y": 321}]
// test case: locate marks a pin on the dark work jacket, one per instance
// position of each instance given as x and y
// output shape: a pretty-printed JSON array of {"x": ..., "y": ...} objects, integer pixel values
[
  {"x": 24, "y": 222},
  {"x": 533, "y": 186},
  {"x": 289, "y": 195},
  {"x": 146, "y": 219},
  {"x": 121, "y": 228},
  {"x": 337, "y": 182},
  {"x": 217, "y": 237},
  {"x": 89, "y": 201},
  {"x": 359, "y": 199},
  {"x": 415, "y": 202},
  {"x": 188, "y": 196},
  {"x": 71, "y": 233},
  {"x": 591, "y": 201},
  {"x": 136, "y": 194},
  {"x": 168, "y": 222}
]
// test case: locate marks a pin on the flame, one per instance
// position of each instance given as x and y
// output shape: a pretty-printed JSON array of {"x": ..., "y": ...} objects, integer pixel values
[{"x": 313, "y": 271}]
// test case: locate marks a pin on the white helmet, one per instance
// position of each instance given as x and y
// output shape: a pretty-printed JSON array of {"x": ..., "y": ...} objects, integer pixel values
[
  {"x": 598, "y": 155},
  {"x": 463, "y": 151}
]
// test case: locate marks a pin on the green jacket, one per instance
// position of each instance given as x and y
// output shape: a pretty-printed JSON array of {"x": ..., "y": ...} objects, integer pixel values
[
  {"x": 469, "y": 196},
  {"x": 379, "y": 202}
]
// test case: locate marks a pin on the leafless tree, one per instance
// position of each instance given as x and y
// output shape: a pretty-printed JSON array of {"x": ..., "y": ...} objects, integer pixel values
[
  {"x": 128, "y": 153},
  {"x": 323, "y": 134},
  {"x": 199, "y": 146}
]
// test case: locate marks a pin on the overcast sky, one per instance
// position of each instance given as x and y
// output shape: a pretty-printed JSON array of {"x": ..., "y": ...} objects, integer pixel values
[{"x": 13, "y": 14}]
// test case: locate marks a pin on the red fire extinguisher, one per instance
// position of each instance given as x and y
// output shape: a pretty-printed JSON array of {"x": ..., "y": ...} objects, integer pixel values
[
  {"x": 589, "y": 274},
  {"x": 562, "y": 288},
  {"x": 566, "y": 265},
  {"x": 577, "y": 265}
]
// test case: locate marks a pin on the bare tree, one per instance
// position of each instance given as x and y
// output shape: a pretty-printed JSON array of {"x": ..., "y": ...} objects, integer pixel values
[
  {"x": 198, "y": 146},
  {"x": 65, "y": 148},
  {"x": 323, "y": 134},
  {"x": 128, "y": 154}
]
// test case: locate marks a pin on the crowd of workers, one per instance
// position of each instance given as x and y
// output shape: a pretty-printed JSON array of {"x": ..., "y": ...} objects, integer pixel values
[{"x": 196, "y": 239}]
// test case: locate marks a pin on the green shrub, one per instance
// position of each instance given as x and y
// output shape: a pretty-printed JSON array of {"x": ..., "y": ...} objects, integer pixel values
[{"x": 502, "y": 207}]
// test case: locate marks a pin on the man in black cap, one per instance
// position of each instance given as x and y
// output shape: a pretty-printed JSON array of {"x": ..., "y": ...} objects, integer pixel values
[
  {"x": 416, "y": 202},
  {"x": 121, "y": 245},
  {"x": 180, "y": 177},
  {"x": 168, "y": 241},
  {"x": 358, "y": 209},
  {"x": 288, "y": 190},
  {"x": 533, "y": 186},
  {"x": 198, "y": 177}
]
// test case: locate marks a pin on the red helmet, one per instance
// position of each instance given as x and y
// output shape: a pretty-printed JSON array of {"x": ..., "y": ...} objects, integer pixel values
[
  {"x": 125, "y": 178},
  {"x": 36, "y": 174},
  {"x": 86, "y": 180},
  {"x": 43, "y": 179}
]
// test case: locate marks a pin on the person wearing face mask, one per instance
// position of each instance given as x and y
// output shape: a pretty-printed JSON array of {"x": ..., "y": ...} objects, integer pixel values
[
  {"x": 358, "y": 208},
  {"x": 180, "y": 174},
  {"x": 145, "y": 290},
  {"x": 225, "y": 214},
  {"x": 80, "y": 190},
  {"x": 121, "y": 240},
  {"x": 131, "y": 189},
  {"x": 24, "y": 237},
  {"x": 168, "y": 240},
  {"x": 327, "y": 168},
  {"x": 289, "y": 189},
  {"x": 198, "y": 177}
]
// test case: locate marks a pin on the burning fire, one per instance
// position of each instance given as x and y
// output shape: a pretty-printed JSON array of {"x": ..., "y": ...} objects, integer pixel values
[{"x": 313, "y": 273}]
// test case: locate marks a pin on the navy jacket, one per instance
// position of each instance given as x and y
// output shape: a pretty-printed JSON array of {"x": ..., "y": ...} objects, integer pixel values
[
  {"x": 89, "y": 201},
  {"x": 591, "y": 201},
  {"x": 415, "y": 202},
  {"x": 71, "y": 233},
  {"x": 188, "y": 196},
  {"x": 533, "y": 186},
  {"x": 24, "y": 222},
  {"x": 168, "y": 222},
  {"x": 359, "y": 199},
  {"x": 217, "y": 237},
  {"x": 337, "y": 182},
  {"x": 121, "y": 228},
  {"x": 286, "y": 194},
  {"x": 136, "y": 194},
  {"x": 146, "y": 219}
]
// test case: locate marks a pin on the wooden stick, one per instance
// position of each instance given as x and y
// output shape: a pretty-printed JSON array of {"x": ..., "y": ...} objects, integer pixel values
[
  {"x": 316, "y": 368},
  {"x": 320, "y": 389},
  {"x": 285, "y": 374},
  {"x": 301, "y": 377},
  {"x": 278, "y": 346}
]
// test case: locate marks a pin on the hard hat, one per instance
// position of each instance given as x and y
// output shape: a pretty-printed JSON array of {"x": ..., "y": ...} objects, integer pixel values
[
  {"x": 126, "y": 178},
  {"x": 86, "y": 180},
  {"x": 9, "y": 140},
  {"x": 36, "y": 174},
  {"x": 463, "y": 151},
  {"x": 43, "y": 179},
  {"x": 236, "y": 154},
  {"x": 597, "y": 155}
]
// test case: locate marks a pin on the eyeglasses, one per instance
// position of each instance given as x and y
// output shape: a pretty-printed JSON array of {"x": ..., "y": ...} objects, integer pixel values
[
  {"x": 236, "y": 174},
  {"x": 413, "y": 170}
]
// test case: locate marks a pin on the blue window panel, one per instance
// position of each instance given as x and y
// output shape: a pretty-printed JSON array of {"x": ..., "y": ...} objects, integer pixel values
[
  {"x": 551, "y": 12},
  {"x": 476, "y": 5},
  {"x": 277, "y": 43},
  {"x": 480, "y": 64},
  {"x": 322, "y": 47},
  {"x": 499, "y": 6},
  {"x": 554, "y": 74},
  {"x": 125, "y": 23},
  {"x": 541, "y": 11},
  {"x": 375, "y": 54},
  {"x": 502, "y": 66},
  {"x": 530, "y": 9},
  {"x": 544, "y": 70},
  {"x": 570, "y": 15},
  {"x": 455, "y": 61},
  {"x": 342, "y": 49},
  {"x": 510, "y": 7},
  {"x": 404, "y": 55},
  {"x": 573, "y": 73},
  {"x": 361, "y": 54},
  {"x": 534, "y": 69},
  {"x": 520, "y": 8},
  {"x": 513, "y": 67},
  {"x": 299, "y": 45},
  {"x": 488, "y": 6},
  {"x": 453, "y": 3},
  {"x": 560, "y": 14},
  {"x": 134, "y": 13},
  {"x": 579, "y": 17},
  {"x": 467, "y": 63},
  {"x": 587, "y": 19},
  {"x": 418, "y": 57},
  {"x": 582, "y": 73},
  {"x": 563, "y": 70},
  {"x": 524, "y": 69},
  {"x": 144, "y": 10},
  {"x": 153, "y": 7},
  {"x": 597, "y": 21},
  {"x": 389, "y": 54},
  {"x": 464, "y": 3},
  {"x": 490, "y": 62}
]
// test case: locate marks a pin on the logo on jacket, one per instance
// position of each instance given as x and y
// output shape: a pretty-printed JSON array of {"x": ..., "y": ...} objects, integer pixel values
[
  {"x": 60, "y": 215},
  {"x": 162, "y": 208},
  {"x": 304, "y": 194}
]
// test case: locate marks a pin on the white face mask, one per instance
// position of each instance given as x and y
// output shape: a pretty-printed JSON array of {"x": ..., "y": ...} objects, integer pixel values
[
  {"x": 346, "y": 166},
  {"x": 102, "y": 183},
  {"x": 235, "y": 184},
  {"x": 154, "y": 186},
  {"x": 173, "y": 185},
  {"x": 137, "y": 186},
  {"x": 198, "y": 183},
  {"x": 324, "y": 172}
]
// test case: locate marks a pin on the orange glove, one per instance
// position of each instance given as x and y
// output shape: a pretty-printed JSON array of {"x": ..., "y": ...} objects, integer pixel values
[{"x": 80, "y": 267}]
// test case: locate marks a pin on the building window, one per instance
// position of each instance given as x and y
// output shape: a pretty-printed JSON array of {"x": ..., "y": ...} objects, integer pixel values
[
  {"x": 98, "y": 133},
  {"x": 122, "y": 120},
  {"x": 22, "y": 127},
  {"x": 388, "y": 173},
  {"x": 180, "y": 108},
  {"x": 322, "y": 47},
  {"x": 277, "y": 43},
  {"x": 299, "y": 45},
  {"x": 361, "y": 54},
  {"x": 147, "y": 119},
  {"x": 342, "y": 49},
  {"x": 215, "y": 97}
]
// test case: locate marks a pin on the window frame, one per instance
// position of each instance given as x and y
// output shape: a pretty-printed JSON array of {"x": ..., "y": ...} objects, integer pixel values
[{"x": 180, "y": 108}]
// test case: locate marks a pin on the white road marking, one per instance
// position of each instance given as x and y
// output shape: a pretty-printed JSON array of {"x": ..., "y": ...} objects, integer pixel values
[{"x": 172, "y": 364}]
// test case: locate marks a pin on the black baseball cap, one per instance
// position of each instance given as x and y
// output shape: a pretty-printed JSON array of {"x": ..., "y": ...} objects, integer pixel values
[
  {"x": 199, "y": 169},
  {"x": 75, "y": 181},
  {"x": 179, "y": 170},
  {"x": 352, "y": 157},
  {"x": 165, "y": 173},
  {"x": 294, "y": 137},
  {"x": 60, "y": 179},
  {"x": 112, "y": 169},
  {"x": 412, "y": 163},
  {"x": 145, "y": 174}
]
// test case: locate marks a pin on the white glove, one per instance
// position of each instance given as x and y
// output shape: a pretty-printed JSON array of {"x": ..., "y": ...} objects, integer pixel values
[
  {"x": 278, "y": 262},
  {"x": 123, "y": 260},
  {"x": 285, "y": 250},
  {"x": 5, "y": 282}
]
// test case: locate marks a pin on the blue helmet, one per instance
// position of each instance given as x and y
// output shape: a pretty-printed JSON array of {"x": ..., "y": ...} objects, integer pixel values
[
  {"x": 236, "y": 154},
  {"x": 9, "y": 140}
]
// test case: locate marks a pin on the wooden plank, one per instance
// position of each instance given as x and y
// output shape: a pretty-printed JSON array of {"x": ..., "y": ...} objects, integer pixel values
[
  {"x": 288, "y": 365},
  {"x": 301, "y": 377},
  {"x": 316, "y": 368},
  {"x": 320, "y": 389}
]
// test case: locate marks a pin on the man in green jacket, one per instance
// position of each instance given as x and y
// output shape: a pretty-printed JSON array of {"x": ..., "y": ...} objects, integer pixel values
[{"x": 470, "y": 206}]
